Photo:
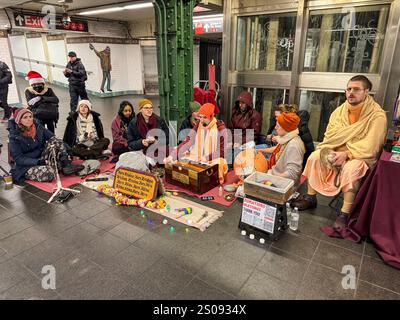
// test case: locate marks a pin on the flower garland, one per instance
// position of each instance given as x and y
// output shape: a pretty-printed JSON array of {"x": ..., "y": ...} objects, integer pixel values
[{"x": 122, "y": 199}]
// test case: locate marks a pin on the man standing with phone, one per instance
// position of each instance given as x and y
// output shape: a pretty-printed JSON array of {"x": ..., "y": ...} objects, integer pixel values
[{"x": 76, "y": 74}]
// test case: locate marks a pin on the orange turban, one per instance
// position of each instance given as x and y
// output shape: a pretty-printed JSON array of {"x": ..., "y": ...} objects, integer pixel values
[
  {"x": 289, "y": 121},
  {"x": 207, "y": 110}
]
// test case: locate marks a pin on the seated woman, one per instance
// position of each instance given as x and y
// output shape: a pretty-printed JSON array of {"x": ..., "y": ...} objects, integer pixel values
[
  {"x": 304, "y": 131},
  {"x": 142, "y": 128},
  {"x": 30, "y": 145},
  {"x": 84, "y": 132},
  {"x": 119, "y": 128},
  {"x": 287, "y": 157}
]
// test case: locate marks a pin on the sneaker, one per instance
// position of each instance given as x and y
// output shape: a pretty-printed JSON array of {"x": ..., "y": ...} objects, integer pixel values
[
  {"x": 101, "y": 90},
  {"x": 304, "y": 202},
  {"x": 109, "y": 90},
  {"x": 106, "y": 152}
]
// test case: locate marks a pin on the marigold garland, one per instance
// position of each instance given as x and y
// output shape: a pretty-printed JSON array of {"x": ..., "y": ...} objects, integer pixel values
[{"x": 122, "y": 199}]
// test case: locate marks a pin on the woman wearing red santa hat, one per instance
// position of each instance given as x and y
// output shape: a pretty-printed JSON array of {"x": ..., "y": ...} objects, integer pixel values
[{"x": 41, "y": 101}]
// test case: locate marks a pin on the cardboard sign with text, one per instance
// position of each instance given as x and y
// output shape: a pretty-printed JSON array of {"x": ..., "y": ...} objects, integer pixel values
[{"x": 138, "y": 184}]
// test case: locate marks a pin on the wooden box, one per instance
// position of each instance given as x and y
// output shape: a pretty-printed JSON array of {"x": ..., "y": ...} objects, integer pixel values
[
  {"x": 279, "y": 192},
  {"x": 195, "y": 177}
]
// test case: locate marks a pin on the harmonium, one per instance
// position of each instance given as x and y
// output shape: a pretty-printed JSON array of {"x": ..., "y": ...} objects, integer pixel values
[{"x": 192, "y": 176}]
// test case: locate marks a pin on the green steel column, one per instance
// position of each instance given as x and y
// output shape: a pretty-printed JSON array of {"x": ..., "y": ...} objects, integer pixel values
[{"x": 174, "y": 25}]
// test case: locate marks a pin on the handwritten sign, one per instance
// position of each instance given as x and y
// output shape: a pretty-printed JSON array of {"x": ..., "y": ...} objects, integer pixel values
[{"x": 135, "y": 183}]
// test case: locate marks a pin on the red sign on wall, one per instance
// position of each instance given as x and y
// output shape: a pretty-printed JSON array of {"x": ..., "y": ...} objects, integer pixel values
[{"x": 43, "y": 22}]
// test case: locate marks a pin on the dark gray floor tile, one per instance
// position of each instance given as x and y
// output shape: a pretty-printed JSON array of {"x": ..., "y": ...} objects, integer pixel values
[
  {"x": 370, "y": 251},
  {"x": 321, "y": 283},
  {"x": 3, "y": 256},
  {"x": 310, "y": 224},
  {"x": 297, "y": 244},
  {"x": 6, "y": 214},
  {"x": 103, "y": 248},
  {"x": 336, "y": 257},
  {"x": 199, "y": 290},
  {"x": 22, "y": 241},
  {"x": 88, "y": 209},
  {"x": 225, "y": 273},
  {"x": 96, "y": 284},
  {"x": 261, "y": 286},
  {"x": 155, "y": 243},
  {"x": 283, "y": 265},
  {"x": 72, "y": 267},
  {"x": 52, "y": 224},
  {"x": 350, "y": 245},
  {"x": 368, "y": 291},
  {"x": 243, "y": 251},
  {"x": 109, "y": 218},
  {"x": 383, "y": 275},
  {"x": 161, "y": 281},
  {"x": 12, "y": 226},
  {"x": 80, "y": 234},
  {"x": 45, "y": 253},
  {"x": 11, "y": 273},
  {"x": 130, "y": 263},
  {"x": 128, "y": 231},
  {"x": 29, "y": 290}
]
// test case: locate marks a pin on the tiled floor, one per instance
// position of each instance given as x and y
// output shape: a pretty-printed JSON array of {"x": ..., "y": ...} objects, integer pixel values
[{"x": 101, "y": 251}]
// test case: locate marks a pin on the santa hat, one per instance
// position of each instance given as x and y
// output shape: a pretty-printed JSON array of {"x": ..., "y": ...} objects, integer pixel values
[
  {"x": 34, "y": 77},
  {"x": 289, "y": 121},
  {"x": 207, "y": 110},
  {"x": 19, "y": 113}
]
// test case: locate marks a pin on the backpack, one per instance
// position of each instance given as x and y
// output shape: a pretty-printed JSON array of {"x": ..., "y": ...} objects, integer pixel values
[{"x": 90, "y": 166}]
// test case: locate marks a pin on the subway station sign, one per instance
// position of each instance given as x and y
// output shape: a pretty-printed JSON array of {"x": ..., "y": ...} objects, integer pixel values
[
  {"x": 45, "y": 22},
  {"x": 207, "y": 27}
]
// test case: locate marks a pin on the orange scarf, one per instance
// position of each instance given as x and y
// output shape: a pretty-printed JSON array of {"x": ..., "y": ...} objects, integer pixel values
[{"x": 29, "y": 132}]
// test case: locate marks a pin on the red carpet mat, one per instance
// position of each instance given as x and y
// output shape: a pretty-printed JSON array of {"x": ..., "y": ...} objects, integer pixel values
[
  {"x": 68, "y": 181},
  {"x": 231, "y": 178}
]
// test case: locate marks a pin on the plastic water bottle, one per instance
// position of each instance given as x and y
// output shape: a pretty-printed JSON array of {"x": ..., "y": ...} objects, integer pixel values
[
  {"x": 288, "y": 212},
  {"x": 294, "y": 220}
]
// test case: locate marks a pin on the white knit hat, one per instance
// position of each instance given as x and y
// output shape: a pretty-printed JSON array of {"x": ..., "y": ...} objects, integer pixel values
[
  {"x": 34, "y": 77},
  {"x": 85, "y": 102}
]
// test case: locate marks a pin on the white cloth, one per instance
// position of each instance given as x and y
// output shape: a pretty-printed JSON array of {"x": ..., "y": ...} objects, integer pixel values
[{"x": 86, "y": 129}]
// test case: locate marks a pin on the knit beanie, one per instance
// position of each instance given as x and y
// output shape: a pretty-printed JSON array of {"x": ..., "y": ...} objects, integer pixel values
[
  {"x": 19, "y": 113},
  {"x": 207, "y": 110},
  {"x": 85, "y": 102},
  {"x": 34, "y": 77},
  {"x": 289, "y": 121},
  {"x": 143, "y": 102},
  {"x": 194, "y": 106}
]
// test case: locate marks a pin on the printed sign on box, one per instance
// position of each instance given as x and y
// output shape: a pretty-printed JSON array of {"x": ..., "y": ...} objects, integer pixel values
[
  {"x": 135, "y": 183},
  {"x": 259, "y": 215}
]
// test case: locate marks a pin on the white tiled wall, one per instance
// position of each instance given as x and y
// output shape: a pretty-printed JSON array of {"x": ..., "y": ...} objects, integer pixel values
[
  {"x": 6, "y": 57},
  {"x": 18, "y": 48},
  {"x": 58, "y": 55},
  {"x": 36, "y": 52},
  {"x": 126, "y": 64}
]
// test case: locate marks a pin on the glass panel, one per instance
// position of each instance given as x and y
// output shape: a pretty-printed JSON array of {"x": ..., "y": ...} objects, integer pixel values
[
  {"x": 264, "y": 101},
  {"x": 265, "y": 42},
  {"x": 320, "y": 105},
  {"x": 345, "y": 40}
]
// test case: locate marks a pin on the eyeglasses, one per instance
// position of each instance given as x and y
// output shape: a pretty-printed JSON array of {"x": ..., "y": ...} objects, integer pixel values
[
  {"x": 355, "y": 90},
  {"x": 147, "y": 108}
]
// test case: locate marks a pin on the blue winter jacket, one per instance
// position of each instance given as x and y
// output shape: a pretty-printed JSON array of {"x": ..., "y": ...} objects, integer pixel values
[{"x": 26, "y": 151}]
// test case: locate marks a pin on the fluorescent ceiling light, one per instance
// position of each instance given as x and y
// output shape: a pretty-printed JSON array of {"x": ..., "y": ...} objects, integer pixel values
[
  {"x": 209, "y": 16},
  {"x": 139, "y": 6},
  {"x": 115, "y": 9},
  {"x": 84, "y": 13}
]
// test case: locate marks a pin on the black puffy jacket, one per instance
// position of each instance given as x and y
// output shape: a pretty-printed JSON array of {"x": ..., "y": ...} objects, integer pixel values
[
  {"x": 78, "y": 75},
  {"x": 5, "y": 75},
  {"x": 46, "y": 108}
]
